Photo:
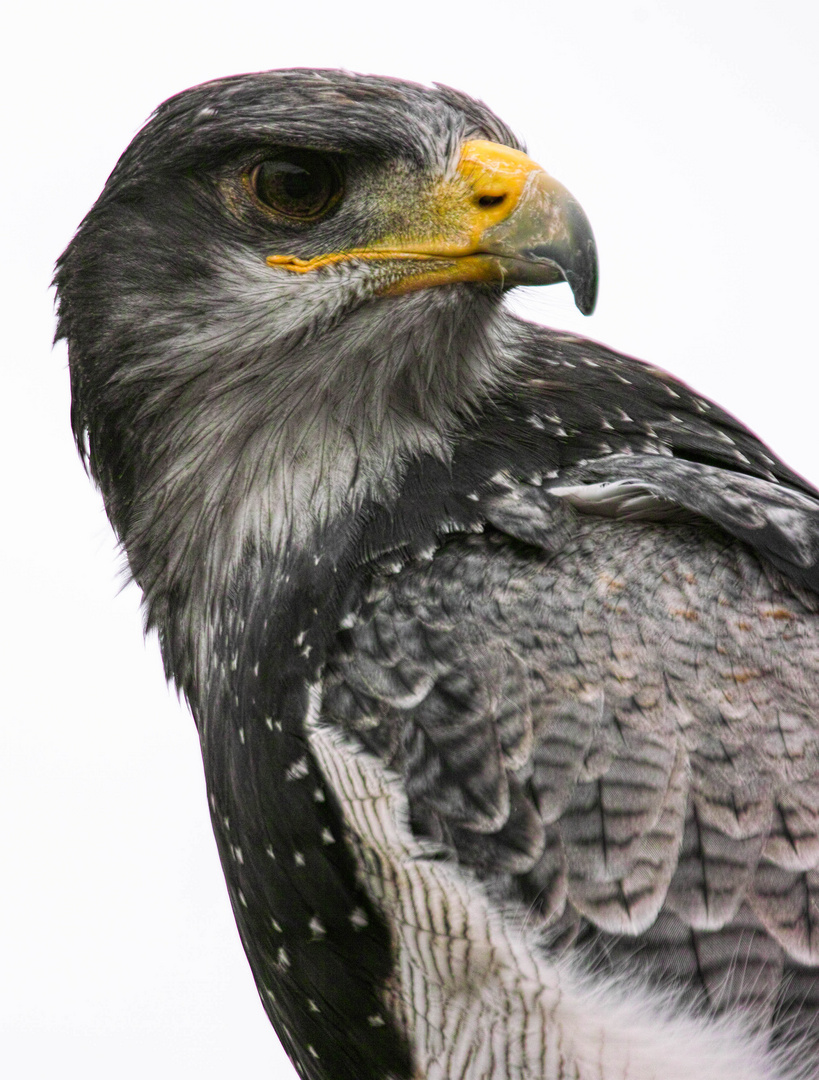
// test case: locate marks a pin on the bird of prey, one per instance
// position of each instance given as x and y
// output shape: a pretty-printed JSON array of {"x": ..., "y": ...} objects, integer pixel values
[{"x": 503, "y": 648}]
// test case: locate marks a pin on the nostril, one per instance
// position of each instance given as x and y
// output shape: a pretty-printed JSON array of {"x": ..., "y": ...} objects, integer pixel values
[{"x": 490, "y": 200}]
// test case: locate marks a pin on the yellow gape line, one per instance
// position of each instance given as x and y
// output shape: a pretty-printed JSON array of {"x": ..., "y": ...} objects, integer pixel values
[{"x": 303, "y": 266}]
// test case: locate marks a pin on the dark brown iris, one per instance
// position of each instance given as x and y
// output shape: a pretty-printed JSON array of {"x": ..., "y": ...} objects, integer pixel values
[{"x": 299, "y": 184}]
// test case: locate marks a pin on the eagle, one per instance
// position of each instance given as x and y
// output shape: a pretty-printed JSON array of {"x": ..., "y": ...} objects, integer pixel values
[{"x": 502, "y": 647}]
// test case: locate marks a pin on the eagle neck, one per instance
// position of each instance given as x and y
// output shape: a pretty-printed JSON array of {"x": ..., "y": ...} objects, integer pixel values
[{"x": 259, "y": 456}]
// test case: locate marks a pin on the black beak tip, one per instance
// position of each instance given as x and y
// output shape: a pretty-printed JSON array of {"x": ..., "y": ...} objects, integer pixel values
[
  {"x": 577, "y": 265},
  {"x": 584, "y": 287},
  {"x": 580, "y": 268},
  {"x": 583, "y": 277}
]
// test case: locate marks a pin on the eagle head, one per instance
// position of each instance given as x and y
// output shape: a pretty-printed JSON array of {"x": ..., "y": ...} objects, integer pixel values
[{"x": 292, "y": 281}]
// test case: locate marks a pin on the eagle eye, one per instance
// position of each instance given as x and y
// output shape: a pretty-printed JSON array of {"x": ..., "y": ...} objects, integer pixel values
[{"x": 301, "y": 184}]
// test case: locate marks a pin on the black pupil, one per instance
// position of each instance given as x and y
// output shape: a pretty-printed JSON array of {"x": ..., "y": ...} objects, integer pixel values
[{"x": 297, "y": 183}]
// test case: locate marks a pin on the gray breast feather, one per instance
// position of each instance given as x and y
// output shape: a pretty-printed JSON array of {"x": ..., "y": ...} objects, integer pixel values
[{"x": 618, "y": 727}]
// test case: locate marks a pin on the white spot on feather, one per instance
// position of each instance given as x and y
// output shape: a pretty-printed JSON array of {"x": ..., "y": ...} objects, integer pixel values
[
  {"x": 316, "y": 927},
  {"x": 358, "y": 917},
  {"x": 298, "y": 770}
]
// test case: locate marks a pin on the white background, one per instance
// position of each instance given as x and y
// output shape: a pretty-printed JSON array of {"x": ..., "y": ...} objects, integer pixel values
[{"x": 688, "y": 132}]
